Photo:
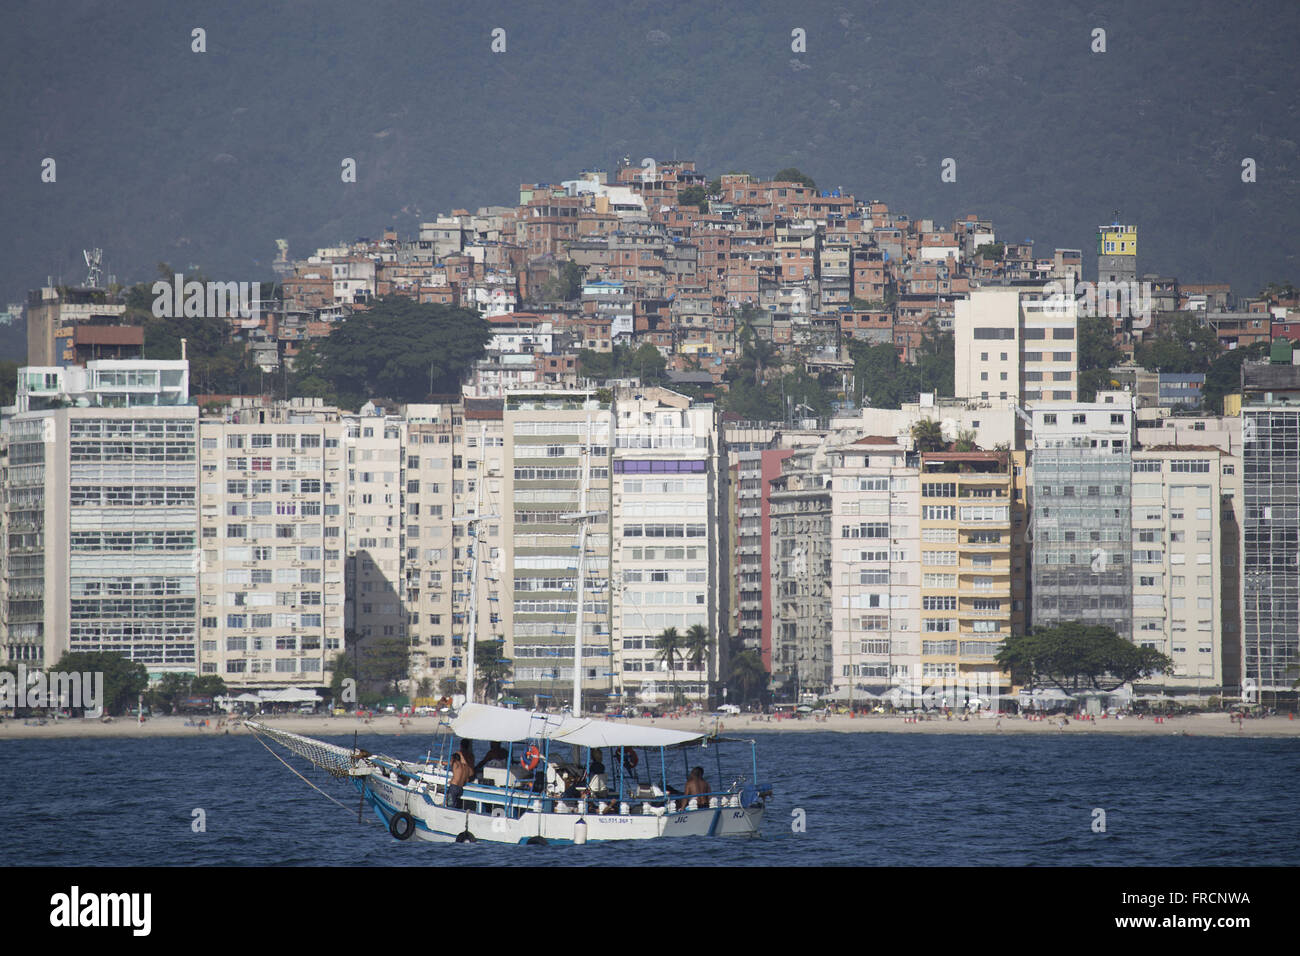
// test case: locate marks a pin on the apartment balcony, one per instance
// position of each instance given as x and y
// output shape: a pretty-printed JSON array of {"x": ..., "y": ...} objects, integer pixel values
[
  {"x": 984, "y": 547},
  {"x": 999, "y": 590},
  {"x": 1003, "y": 525},
  {"x": 983, "y": 615}
]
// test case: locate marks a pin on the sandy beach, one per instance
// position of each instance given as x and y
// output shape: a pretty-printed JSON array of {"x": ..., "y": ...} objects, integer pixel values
[{"x": 1200, "y": 725}]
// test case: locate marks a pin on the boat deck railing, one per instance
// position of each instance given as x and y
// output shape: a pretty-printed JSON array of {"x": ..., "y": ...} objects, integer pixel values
[{"x": 517, "y": 800}]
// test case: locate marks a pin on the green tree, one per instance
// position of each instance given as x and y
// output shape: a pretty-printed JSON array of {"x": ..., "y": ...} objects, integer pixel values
[
  {"x": 670, "y": 645},
  {"x": 493, "y": 669},
  {"x": 220, "y": 364},
  {"x": 308, "y": 377},
  {"x": 567, "y": 286},
  {"x": 1224, "y": 375},
  {"x": 698, "y": 645},
  {"x": 343, "y": 670},
  {"x": 124, "y": 679},
  {"x": 936, "y": 361},
  {"x": 756, "y": 352},
  {"x": 883, "y": 381},
  {"x": 792, "y": 175},
  {"x": 1077, "y": 656},
  {"x": 1181, "y": 346},
  {"x": 1278, "y": 290},
  {"x": 752, "y": 402},
  {"x": 749, "y": 393},
  {"x": 208, "y": 685},
  {"x": 400, "y": 349},
  {"x": 376, "y": 664},
  {"x": 805, "y": 394},
  {"x": 927, "y": 435},
  {"x": 8, "y": 382},
  {"x": 1098, "y": 353},
  {"x": 748, "y": 678},
  {"x": 990, "y": 250},
  {"x": 693, "y": 196},
  {"x": 162, "y": 697},
  {"x": 645, "y": 362}
]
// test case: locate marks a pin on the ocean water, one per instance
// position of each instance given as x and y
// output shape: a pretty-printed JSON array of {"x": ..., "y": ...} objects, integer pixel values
[{"x": 873, "y": 799}]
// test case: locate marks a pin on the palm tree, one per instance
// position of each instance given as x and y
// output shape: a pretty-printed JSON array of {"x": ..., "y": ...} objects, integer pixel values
[
  {"x": 966, "y": 441},
  {"x": 752, "y": 346},
  {"x": 699, "y": 645},
  {"x": 492, "y": 666},
  {"x": 928, "y": 436},
  {"x": 670, "y": 645},
  {"x": 748, "y": 676}
]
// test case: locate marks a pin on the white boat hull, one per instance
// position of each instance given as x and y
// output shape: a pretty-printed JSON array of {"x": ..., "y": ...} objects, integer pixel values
[{"x": 440, "y": 824}]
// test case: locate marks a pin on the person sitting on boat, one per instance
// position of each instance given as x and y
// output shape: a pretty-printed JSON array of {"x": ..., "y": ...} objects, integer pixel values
[
  {"x": 696, "y": 786},
  {"x": 596, "y": 782},
  {"x": 462, "y": 771},
  {"x": 495, "y": 753},
  {"x": 630, "y": 762}
]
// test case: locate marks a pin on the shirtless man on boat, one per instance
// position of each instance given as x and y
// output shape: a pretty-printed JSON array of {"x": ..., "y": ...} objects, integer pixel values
[
  {"x": 696, "y": 785},
  {"x": 462, "y": 771}
]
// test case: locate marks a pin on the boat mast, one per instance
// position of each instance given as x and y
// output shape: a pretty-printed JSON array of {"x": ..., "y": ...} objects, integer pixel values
[
  {"x": 582, "y": 573},
  {"x": 473, "y": 568}
]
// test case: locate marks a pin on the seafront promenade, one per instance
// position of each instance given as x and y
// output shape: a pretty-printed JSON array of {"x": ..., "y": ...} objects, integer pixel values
[{"x": 1200, "y": 725}]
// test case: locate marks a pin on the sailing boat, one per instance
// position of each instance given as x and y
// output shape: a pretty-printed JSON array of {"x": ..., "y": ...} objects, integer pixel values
[{"x": 550, "y": 784}]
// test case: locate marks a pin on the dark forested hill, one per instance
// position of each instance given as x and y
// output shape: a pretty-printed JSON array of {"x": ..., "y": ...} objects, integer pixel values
[{"x": 166, "y": 154}]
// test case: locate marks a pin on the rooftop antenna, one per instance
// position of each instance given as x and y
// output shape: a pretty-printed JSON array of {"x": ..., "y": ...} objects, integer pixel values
[{"x": 93, "y": 259}]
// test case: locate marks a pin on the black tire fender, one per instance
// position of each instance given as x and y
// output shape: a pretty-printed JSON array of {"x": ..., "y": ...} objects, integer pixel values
[{"x": 402, "y": 826}]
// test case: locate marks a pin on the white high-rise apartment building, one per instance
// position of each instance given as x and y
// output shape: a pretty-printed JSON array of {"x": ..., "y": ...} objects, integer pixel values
[
  {"x": 876, "y": 571},
  {"x": 1015, "y": 345},
  {"x": 1177, "y": 571},
  {"x": 557, "y": 460},
  {"x": 667, "y": 562},
  {"x": 101, "y": 517},
  {"x": 375, "y": 523},
  {"x": 273, "y": 494},
  {"x": 454, "y": 474},
  {"x": 428, "y": 561}
]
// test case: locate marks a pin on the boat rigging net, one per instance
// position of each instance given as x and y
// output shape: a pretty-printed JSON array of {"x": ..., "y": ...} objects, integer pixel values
[{"x": 334, "y": 760}]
